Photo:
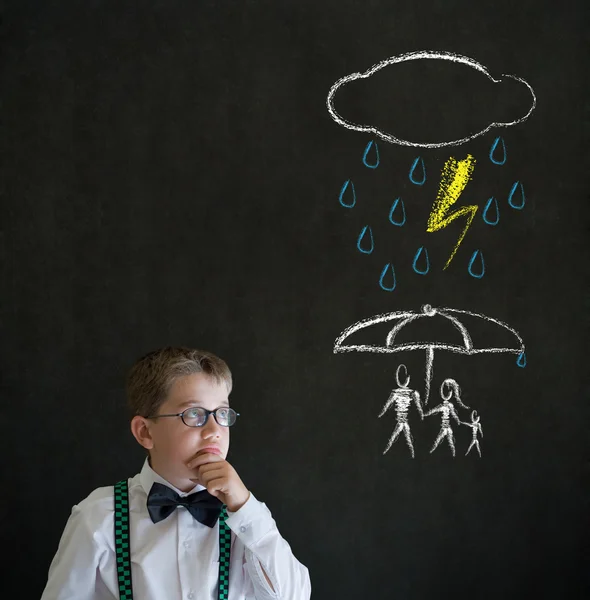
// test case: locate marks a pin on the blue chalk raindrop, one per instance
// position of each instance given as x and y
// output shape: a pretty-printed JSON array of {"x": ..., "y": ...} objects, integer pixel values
[
  {"x": 423, "y": 270},
  {"x": 482, "y": 268},
  {"x": 521, "y": 360},
  {"x": 397, "y": 207},
  {"x": 388, "y": 272},
  {"x": 351, "y": 193},
  {"x": 375, "y": 161},
  {"x": 498, "y": 158},
  {"x": 491, "y": 212},
  {"x": 361, "y": 239},
  {"x": 422, "y": 172},
  {"x": 518, "y": 205}
]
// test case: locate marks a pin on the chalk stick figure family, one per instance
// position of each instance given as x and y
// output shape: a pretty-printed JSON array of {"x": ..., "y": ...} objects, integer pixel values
[{"x": 403, "y": 397}]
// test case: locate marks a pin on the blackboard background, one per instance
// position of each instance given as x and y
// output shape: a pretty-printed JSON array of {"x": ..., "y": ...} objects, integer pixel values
[{"x": 170, "y": 175}]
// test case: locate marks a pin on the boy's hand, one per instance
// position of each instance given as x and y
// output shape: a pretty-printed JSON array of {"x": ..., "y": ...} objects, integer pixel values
[{"x": 220, "y": 479}]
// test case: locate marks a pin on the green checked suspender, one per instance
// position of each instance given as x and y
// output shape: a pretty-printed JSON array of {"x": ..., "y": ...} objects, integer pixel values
[
  {"x": 122, "y": 546},
  {"x": 224, "y": 550},
  {"x": 122, "y": 540}
]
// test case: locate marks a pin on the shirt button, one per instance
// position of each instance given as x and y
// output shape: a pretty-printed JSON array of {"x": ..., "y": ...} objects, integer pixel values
[
  {"x": 243, "y": 528},
  {"x": 187, "y": 544},
  {"x": 190, "y": 596}
]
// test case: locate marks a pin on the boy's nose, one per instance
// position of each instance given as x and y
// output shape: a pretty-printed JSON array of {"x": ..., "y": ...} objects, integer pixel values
[{"x": 211, "y": 427}]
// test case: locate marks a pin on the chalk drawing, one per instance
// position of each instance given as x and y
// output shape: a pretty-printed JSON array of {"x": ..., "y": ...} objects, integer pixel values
[
  {"x": 401, "y": 319},
  {"x": 397, "y": 214},
  {"x": 454, "y": 177},
  {"x": 368, "y": 246},
  {"x": 402, "y": 397},
  {"x": 517, "y": 203},
  {"x": 448, "y": 388},
  {"x": 421, "y": 178},
  {"x": 344, "y": 192},
  {"x": 371, "y": 162},
  {"x": 421, "y": 256},
  {"x": 475, "y": 429},
  {"x": 494, "y": 154},
  {"x": 491, "y": 212},
  {"x": 422, "y": 55}
]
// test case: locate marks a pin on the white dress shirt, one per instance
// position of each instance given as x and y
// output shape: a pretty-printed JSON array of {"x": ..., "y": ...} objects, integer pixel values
[{"x": 175, "y": 559}]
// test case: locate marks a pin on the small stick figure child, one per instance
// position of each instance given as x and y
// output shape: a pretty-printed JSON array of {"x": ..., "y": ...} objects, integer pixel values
[
  {"x": 447, "y": 410},
  {"x": 475, "y": 428},
  {"x": 402, "y": 397}
]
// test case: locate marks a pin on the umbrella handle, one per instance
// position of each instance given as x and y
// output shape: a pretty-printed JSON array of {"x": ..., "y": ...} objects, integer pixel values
[{"x": 428, "y": 378}]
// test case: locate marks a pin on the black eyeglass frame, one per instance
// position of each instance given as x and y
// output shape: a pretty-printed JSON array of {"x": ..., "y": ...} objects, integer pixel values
[{"x": 209, "y": 412}]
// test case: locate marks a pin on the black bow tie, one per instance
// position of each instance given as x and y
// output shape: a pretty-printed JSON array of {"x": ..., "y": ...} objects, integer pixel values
[{"x": 162, "y": 501}]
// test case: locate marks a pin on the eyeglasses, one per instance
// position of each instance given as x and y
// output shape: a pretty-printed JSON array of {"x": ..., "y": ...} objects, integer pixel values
[{"x": 197, "y": 416}]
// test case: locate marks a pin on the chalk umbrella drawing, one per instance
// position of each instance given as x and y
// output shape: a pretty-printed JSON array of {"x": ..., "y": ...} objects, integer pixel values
[{"x": 402, "y": 320}]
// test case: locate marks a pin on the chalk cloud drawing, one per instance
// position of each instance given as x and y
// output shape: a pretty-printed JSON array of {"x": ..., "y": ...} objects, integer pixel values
[{"x": 424, "y": 55}]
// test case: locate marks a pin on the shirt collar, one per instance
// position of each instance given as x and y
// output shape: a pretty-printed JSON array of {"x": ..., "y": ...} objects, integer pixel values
[{"x": 148, "y": 477}]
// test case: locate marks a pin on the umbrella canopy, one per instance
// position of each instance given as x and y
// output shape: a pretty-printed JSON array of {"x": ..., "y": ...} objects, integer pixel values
[{"x": 401, "y": 320}]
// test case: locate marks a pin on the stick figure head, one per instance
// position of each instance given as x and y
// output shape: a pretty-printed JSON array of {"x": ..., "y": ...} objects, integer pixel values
[
  {"x": 474, "y": 417},
  {"x": 450, "y": 387},
  {"x": 402, "y": 371}
]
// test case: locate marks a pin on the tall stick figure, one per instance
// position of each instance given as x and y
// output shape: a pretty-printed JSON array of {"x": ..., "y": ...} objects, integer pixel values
[
  {"x": 475, "y": 429},
  {"x": 402, "y": 397},
  {"x": 447, "y": 410}
]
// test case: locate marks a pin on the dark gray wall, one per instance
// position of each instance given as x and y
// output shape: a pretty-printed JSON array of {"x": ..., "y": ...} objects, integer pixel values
[{"x": 171, "y": 176}]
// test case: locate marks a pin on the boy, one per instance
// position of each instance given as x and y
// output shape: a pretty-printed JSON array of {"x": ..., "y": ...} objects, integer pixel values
[{"x": 181, "y": 415}]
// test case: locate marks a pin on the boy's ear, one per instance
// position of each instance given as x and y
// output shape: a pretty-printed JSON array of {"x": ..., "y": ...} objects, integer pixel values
[{"x": 141, "y": 432}]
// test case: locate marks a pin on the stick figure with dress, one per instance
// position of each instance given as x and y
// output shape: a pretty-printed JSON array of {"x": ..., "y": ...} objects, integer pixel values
[{"x": 448, "y": 388}]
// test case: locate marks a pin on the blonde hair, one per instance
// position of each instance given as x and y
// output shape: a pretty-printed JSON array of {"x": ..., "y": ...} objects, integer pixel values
[{"x": 151, "y": 377}]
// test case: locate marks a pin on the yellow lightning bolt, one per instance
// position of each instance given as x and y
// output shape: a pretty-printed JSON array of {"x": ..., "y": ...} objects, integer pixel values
[{"x": 454, "y": 177}]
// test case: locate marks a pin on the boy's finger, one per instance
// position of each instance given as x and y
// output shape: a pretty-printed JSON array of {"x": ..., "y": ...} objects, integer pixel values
[
  {"x": 218, "y": 484},
  {"x": 210, "y": 475}
]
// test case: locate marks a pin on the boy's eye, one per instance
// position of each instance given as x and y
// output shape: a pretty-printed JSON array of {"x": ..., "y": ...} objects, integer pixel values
[{"x": 192, "y": 413}]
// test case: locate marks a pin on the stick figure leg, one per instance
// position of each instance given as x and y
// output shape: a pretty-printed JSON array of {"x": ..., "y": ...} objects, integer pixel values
[
  {"x": 438, "y": 440},
  {"x": 470, "y": 446},
  {"x": 449, "y": 435},
  {"x": 393, "y": 437},
  {"x": 409, "y": 438}
]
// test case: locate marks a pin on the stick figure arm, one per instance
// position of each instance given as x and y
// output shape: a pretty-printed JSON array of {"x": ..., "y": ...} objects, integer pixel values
[
  {"x": 455, "y": 416},
  {"x": 432, "y": 411},
  {"x": 480, "y": 429},
  {"x": 418, "y": 403},
  {"x": 388, "y": 404}
]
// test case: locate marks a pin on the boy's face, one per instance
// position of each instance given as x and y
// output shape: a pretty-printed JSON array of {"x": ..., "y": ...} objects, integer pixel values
[{"x": 172, "y": 443}]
